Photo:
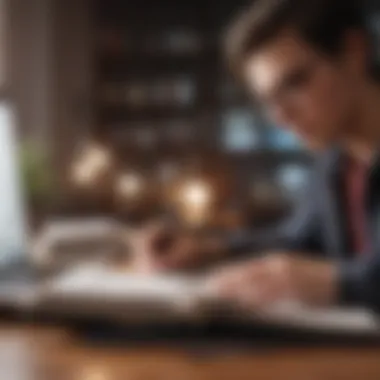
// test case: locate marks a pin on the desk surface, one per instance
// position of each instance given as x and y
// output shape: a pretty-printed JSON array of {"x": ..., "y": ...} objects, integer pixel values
[{"x": 38, "y": 353}]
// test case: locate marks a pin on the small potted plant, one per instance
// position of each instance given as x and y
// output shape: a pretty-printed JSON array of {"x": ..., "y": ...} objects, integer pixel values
[{"x": 37, "y": 180}]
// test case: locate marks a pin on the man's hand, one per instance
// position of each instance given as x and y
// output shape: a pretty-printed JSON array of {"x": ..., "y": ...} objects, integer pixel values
[
  {"x": 159, "y": 248},
  {"x": 275, "y": 277}
]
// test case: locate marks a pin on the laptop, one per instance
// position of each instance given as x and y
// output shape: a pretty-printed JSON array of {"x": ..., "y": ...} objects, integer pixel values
[{"x": 17, "y": 275}]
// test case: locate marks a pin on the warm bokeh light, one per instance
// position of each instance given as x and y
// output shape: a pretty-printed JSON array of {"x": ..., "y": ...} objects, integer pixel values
[
  {"x": 129, "y": 186},
  {"x": 196, "y": 201},
  {"x": 97, "y": 157},
  {"x": 82, "y": 174},
  {"x": 94, "y": 161},
  {"x": 197, "y": 194}
]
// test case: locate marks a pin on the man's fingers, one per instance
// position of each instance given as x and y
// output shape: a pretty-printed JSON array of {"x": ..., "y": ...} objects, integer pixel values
[
  {"x": 238, "y": 274},
  {"x": 147, "y": 245},
  {"x": 226, "y": 281},
  {"x": 182, "y": 253},
  {"x": 264, "y": 294},
  {"x": 219, "y": 278},
  {"x": 151, "y": 239},
  {"x": 255, "y": 284}
]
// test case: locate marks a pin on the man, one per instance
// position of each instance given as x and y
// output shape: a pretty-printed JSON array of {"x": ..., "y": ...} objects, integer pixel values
[{"x": 311, "y": 65}]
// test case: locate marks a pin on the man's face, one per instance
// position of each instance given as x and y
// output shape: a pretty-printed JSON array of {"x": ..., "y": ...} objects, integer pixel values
[{"x": 303, "y": 91}]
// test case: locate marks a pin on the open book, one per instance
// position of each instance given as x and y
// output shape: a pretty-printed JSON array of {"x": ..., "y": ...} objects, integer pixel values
[{"x": 100, "y": 291}]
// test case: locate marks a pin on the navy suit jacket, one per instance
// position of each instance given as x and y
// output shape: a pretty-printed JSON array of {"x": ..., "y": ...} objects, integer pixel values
[{"x": 319, "y": 226}]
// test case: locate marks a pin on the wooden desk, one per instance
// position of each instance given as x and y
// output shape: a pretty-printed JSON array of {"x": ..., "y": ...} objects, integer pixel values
[{"x": 37, "y": 353}]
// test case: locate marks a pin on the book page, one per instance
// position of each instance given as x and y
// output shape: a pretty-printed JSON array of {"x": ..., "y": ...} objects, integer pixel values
[{"x": 97, "y": 283}]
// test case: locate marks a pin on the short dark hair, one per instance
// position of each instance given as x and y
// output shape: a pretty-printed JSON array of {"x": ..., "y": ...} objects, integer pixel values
[{"x": 321, "y": 23}]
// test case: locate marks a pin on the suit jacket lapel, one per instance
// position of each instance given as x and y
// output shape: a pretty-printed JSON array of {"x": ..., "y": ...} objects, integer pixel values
[{"x": 373, "y": 205}]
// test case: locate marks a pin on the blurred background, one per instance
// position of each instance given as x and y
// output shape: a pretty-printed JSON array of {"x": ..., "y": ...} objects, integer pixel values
[
  {"x": 114, "y": 113},
  {"x": 126, "y": 110}
]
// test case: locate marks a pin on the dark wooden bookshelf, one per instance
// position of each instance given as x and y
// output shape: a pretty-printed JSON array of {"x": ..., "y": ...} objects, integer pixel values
[{"x": 164, "y": 59}]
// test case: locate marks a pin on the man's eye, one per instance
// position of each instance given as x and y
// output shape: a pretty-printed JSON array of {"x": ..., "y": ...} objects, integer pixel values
[{"x": 298, "y": 79}]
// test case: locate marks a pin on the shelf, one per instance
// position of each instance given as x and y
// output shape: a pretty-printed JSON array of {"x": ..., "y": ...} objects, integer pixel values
[
  {"x": 124, "y": 69},
  {"x": 125, "y": 113}
]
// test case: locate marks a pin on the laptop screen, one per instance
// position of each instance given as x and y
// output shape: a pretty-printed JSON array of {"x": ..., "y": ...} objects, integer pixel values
[{"x": 12, "y": 212}]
